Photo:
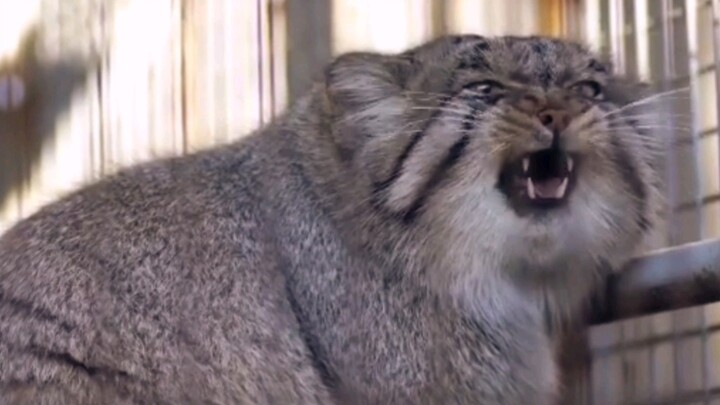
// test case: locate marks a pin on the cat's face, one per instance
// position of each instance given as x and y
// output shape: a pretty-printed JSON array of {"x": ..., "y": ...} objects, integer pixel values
[{"x": 518, "y": 148}]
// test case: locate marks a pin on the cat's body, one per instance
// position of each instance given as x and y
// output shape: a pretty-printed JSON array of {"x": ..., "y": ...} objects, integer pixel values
[{"x": 358, "y": 250}]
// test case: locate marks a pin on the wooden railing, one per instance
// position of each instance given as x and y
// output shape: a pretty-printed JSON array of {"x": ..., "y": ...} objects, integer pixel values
[{"x": 664, "y": 280}]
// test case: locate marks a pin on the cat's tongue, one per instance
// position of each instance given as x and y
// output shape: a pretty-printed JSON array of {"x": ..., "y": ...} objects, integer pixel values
[{"x": 553, "y": 187}]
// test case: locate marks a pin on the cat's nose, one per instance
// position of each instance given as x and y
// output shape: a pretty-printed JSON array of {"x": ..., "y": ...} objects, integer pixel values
[{"x": 554, "y": 120}]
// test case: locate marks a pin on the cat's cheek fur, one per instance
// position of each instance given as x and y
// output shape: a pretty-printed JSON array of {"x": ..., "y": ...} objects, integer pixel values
[{"x": 557, "y": 262}]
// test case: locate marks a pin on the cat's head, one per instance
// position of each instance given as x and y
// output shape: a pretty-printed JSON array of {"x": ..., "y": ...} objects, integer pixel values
[{"x": 529, "y": 151}]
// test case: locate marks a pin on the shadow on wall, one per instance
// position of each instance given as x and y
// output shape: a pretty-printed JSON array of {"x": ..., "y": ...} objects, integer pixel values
[
  {"x": 309, "y": 39},
  {"x": 26, "y": 130}
]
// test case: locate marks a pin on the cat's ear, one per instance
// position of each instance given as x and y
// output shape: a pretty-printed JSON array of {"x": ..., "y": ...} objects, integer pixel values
[
  {"x": 360, "y": 79},
  {"x": 365, "y": 98}
]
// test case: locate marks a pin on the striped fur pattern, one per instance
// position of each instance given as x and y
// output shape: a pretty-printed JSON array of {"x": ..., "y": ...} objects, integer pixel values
[{"x": 362, "y": 249}]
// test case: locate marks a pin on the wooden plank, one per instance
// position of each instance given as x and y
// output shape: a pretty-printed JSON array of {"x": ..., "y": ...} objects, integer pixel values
[
  {"x": 309, "y": 43},
  {"x": 277, "y": 38},
  {"x": 12, "y": 130},
  {"x": 225, "y": 70},
  {"x": 574, "y": 361},
  {"x": 664, "y": 280},
  {"x": 54, "y": 156},
  {"x": 552, "y": 17},
  {"x": 141, "y": 78},
  {"x": 439, "y": 17},
  {"x": 196, "y": 120}
]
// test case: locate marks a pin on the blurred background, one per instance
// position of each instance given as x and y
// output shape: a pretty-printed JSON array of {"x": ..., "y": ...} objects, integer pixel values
[{"x": 90, "y": 86}]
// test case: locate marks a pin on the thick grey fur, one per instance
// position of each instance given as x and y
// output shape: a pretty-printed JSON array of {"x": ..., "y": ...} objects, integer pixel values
[{"x": 356, "y": 250}]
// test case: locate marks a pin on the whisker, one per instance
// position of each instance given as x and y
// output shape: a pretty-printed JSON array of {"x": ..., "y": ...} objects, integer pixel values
[
  {"x": 498, "y": 148},
  {"x": 455, "y": 120},
  {"x": 511, "y": 128},
  {"x": 659, "y": 116},
  {"x": 443, "y": 98},
  {"x": 445, "y": 109},
  {"x": 629, "y": 127},
  {"x": 646, "y": 100},
  {"x": 649, "y": 125},
  {"x": 428, "y": 93}
]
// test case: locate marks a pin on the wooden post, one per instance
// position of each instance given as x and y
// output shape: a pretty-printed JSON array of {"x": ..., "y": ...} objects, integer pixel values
[
  {"x": 309, "y": 46},
  {"x": 439, "y": 17},
  {"x": 12, "y": 132},
  {"x": 552, "y": 17}
]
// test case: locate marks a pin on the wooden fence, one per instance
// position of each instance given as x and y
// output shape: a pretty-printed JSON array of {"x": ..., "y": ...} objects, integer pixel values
[{"x": 108, "y": 83}]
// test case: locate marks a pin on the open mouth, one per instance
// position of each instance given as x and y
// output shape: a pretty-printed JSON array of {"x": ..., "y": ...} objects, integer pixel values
[{"x": 540, "y": 180}]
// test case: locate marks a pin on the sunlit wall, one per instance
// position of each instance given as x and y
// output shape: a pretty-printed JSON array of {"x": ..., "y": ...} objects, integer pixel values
[{"x": 109, "y": 83}]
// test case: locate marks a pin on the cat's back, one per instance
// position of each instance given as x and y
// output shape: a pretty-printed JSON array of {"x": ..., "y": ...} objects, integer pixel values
[
  {"x": 172, "y": 211},
  {"x": 163, "y": 275}
]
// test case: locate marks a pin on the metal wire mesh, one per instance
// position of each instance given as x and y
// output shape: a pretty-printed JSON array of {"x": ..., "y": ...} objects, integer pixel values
[{"x": 669, "y": 358}]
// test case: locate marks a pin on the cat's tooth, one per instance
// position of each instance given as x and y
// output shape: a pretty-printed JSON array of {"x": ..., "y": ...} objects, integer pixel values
[
  {"x": 560, "y": 193},
  {"x": 530, "y": 188},
  {"x": 570, "y": 164},
  {"x": 526, "y": 165}
]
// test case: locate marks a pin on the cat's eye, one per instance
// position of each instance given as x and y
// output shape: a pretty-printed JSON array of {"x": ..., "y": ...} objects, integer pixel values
[
  {"x": 485, "y": 88},
  {"x": 589, "y": 89}
]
